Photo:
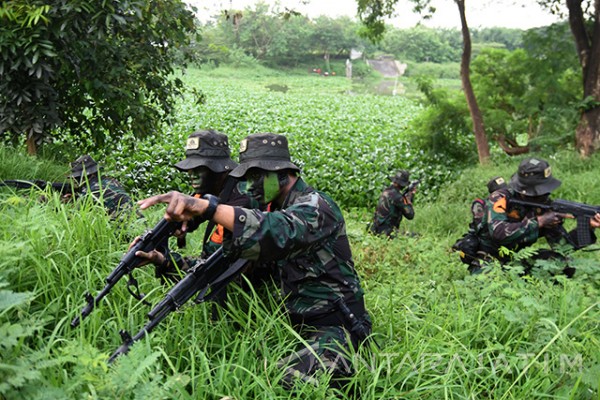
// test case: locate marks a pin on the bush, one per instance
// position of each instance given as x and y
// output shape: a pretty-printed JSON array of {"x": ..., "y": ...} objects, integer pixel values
[{"x": 433, "y": 70}]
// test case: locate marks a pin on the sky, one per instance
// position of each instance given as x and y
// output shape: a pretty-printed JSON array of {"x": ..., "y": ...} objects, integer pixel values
[{"x": 480, "y": 13}]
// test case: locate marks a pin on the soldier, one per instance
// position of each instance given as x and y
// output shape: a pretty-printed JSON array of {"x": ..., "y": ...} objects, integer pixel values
[
  {"x": 517, "y": 227},
  {"x": 88, "y": 179},
  {"x": 468, "y": 244},
  {"x": 208, "y": 164},
  {"x": 496, "y": 183},
  {"x": 304, "y": 233},
  {"x": 393, "y": 205},
  {"x": 477, "y": 206}
]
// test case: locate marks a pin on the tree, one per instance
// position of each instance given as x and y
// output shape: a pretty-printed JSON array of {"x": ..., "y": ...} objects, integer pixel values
[
  {"x": 95, "y": 69},
  {"x": 585, "y": 27},
  {"x": 532, "y": 90},
  {"x": 419, "y": 44},
  {"x": 371, "y": 13}
]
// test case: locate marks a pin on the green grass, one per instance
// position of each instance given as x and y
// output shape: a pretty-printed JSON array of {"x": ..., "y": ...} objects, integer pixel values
[{"x": 442, "y": 334}]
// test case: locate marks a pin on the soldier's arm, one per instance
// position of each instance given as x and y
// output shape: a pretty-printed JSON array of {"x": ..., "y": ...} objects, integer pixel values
[{"x": 505, "y": 230}]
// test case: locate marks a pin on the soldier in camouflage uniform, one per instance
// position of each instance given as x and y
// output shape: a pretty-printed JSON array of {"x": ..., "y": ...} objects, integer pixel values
[
  {"x": 516, "y": 227},
  {"x": 393, "y": 205},
  {"x": 88, "y": 179},
  {"x": 208, "y": 164},
  {"x": 304, "y": 233}
]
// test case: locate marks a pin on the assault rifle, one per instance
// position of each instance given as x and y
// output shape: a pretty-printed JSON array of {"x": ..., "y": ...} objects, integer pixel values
[
  {"x": 62, "y": 188},
  {"x": 148, "y": 242},
  {"x": 206, "y": 279},
  {"x": 411, "y": 187},
  {"x": 582, "y": 212}
]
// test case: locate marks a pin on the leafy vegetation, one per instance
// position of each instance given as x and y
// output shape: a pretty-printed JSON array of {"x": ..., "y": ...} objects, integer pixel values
[
  {"x": 283, "y": 39},
  {"x": 336, "y": 134},
  {"x": 441, "y": 332},
  {"x": 92, "y": 69}
]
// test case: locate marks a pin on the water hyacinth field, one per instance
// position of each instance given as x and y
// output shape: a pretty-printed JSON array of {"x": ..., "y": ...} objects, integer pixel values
[
  {"x": 441, "y": 333},
  {"x": 346, "y": 142}
]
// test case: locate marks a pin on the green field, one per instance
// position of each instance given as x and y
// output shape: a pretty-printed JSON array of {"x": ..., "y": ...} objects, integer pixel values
[{"x": 442, "y": 334}]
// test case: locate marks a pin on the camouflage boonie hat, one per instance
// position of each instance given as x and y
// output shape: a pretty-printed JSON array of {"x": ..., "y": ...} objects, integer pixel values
[
  {"x": 84, "y": 164},
  {"x": 534, "y": 178},
  {"x": 207, "y": 149},
  {"x": 267, "y": 151},
  {"x": 496, "y": 183},
  {"x": 401, "y": 177}
]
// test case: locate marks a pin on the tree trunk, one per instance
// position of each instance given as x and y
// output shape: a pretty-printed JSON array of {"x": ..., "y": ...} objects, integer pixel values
[
  {"x": 31, "y": 145},
  {"x": 587, "y": 136},
  {"x": 483, "y": 148}
]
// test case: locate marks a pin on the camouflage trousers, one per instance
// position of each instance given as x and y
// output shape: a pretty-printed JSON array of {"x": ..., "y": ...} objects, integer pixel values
[{"x": 328, "y": 350}]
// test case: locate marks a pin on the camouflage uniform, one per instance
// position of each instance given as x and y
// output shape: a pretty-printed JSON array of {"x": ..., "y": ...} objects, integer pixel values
[
  {"x": 516, "y": 227},
  {"x": 205, "y": 149},
  {"x": 107, "y": 191},
  {"x": 110, "y": 193},
  {"x": 306, "y": 238},
  {"x": 392, "y": 206}
]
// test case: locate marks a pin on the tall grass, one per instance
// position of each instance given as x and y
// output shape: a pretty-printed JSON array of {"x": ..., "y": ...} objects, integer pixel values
[{"x": 441, "y": 333}]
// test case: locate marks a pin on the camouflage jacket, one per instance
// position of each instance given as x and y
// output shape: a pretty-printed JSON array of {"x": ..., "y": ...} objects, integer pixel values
[
  {"x": 307, "y": 240},
  {"x": 392, "y": 206},
  {"x": 515, "y": 227},
  {"x": 110, "y": 193}
]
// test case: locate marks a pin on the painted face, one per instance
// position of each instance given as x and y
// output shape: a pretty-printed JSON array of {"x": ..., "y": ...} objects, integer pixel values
[
  {"x": 263, "y": 186},
  {"x": 200, "y": 180}
]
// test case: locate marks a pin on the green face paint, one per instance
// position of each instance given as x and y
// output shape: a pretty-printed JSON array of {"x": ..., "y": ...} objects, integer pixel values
[
  {"x": 271, "y": 186},
  {"x": 199, "y": 179},
  {"x": 263, "y": 186}
]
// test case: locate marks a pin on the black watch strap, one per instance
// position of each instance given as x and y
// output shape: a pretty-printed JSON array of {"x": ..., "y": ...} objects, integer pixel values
[{"x": 213, "y": 203}]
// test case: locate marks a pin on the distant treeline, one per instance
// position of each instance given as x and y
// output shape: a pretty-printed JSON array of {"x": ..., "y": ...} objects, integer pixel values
[{"x": 288, "y": 40}]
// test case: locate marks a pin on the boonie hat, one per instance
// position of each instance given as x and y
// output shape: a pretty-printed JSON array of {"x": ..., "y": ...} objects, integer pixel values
[
  {"x": 267, "y": 151},
  {"x": 207, "y": 148},
  {"x": 534, "y": 178},
  {"x": 84, "y": 164},
  {"x": 496, "y": 183},
  {"x": 401, "y": 177}
]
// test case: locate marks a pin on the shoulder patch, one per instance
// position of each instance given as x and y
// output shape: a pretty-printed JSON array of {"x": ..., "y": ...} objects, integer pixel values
[{"x": 500, "y": 205}]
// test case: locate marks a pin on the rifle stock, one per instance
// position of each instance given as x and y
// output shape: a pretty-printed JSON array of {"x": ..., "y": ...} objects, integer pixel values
[
  {"x": 148, "y": 242},
  {"x": 206, "y": 279}
]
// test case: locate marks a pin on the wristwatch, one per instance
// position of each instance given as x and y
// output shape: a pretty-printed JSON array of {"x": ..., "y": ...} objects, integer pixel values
[{"x": 213, "y": 203}]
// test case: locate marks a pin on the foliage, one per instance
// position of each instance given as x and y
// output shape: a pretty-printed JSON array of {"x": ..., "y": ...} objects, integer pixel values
[
  {"x": 283, "y": 39},
  {"x": 441, "y": 333},
  {"x": 531, "y": 93},
  {"x": 419, "y": 44},
  {"x": 442, "y": 129},
  {"x": 100, "y": 69},
  {"x": 325, "y": 120},
  {"x": 434, "y": 70},
  {"x": 510, "y": 39},
  {"x": 584, "y": 18}
]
